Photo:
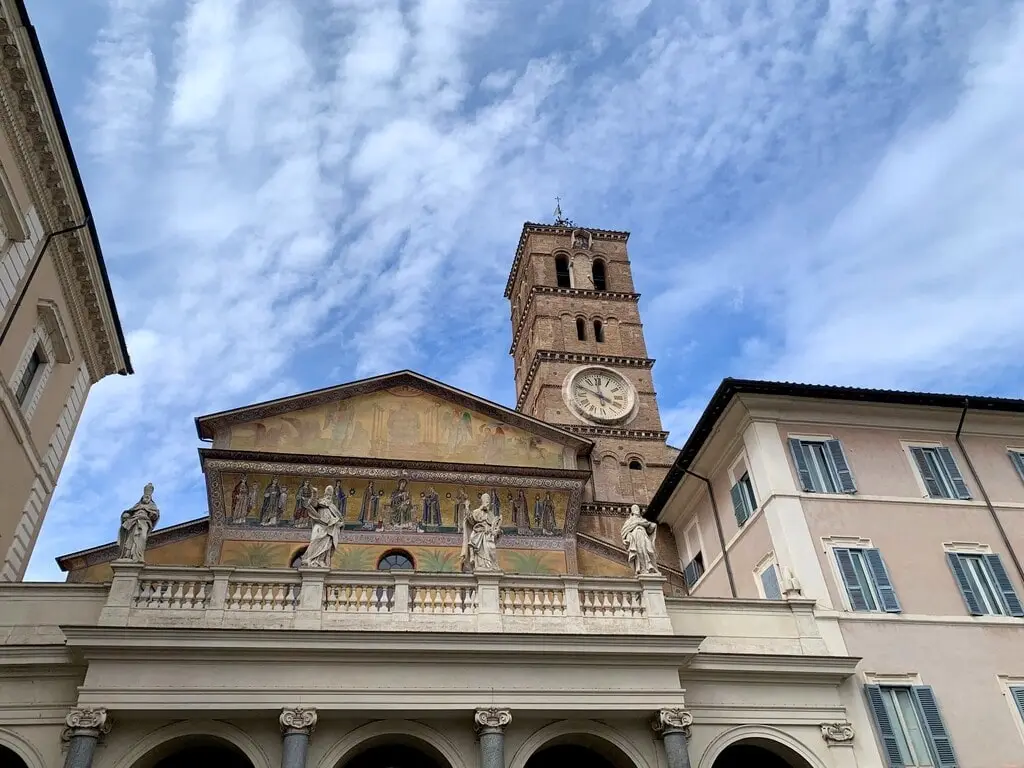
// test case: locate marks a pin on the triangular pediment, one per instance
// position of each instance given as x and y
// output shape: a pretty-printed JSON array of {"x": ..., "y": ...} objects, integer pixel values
[{"x": 400, "y": 416}]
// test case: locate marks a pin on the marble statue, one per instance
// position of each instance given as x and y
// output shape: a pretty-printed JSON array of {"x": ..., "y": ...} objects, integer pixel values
[
  {"x": 638, "y": 536},
  {"x": 481, "y": 530},
  {"x": 323, "y": 538},
  {"x": 136, "y": 523}
]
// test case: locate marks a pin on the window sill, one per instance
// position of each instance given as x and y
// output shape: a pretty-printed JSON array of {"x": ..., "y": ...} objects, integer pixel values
[{"x": 920, "y": 618}]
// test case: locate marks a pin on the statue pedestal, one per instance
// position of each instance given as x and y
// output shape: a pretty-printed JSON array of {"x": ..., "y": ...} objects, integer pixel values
[
  {"x": 123, "y": 588},
  {"x": 309, "y": 611},
  {"x": 488, "y": 597},
  {"x": 654, "y": 603}
]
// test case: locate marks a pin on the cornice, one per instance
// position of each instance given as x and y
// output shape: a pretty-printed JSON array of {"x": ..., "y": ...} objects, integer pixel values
[
  {"x": 55, "y": 660},
  {"x": 620, "y": 432},
  {"x": 554, "y": 229},
  {"x": 768, "y": 668},
  {"x": 607, "y": 508},
  {"x": 34, "y": 132},
  {"x": 579, "y": 293},
  {"x": 551, "y": 355}
]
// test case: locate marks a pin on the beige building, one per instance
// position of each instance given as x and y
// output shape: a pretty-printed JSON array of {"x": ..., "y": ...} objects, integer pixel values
[
  {"x": 59, "y": 331},
  {"x": 902, "y": 516}
]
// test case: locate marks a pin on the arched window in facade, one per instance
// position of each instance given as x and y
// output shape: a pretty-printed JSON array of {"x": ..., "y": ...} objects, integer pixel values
[
  {"x": 598, "y": 331},
  {"x": 636, "y": 465},
  {"x": 637, "y": 481},
  {"x": 581, "y": 329},
  {"x": 395, "y": 560},
  {"x": 562, "y": 275},
  {"x": 600, "y": 283}
]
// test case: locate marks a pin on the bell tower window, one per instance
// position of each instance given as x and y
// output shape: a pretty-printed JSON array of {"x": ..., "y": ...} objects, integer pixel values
[
  {"x": 597, "y": 271},
  {"x": 581, "y": 329},
  {"x": 598, "y": 332},
  {"x": 562, "y": 275}
]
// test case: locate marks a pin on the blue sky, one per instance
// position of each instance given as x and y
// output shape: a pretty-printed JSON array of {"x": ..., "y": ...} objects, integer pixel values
[{"x": 296, "y": 193}]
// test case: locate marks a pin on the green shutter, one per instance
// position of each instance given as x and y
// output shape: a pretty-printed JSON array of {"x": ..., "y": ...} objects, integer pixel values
[
  {"x": 739, "y": 504},
  {"x": 935, "y": 727},
  {"x": 886, "y": 732},
  {"x": 931, "y": 483},
  {"x": 886, "y": 593},
  {"x": 800, "y": 462},
  {"x": 966, "y": 590},
  {"x": 1018, "y": 461},
  {"x": 1017, "y": 692},
  {"x": 1002, "y": 579},
  {"x": 841, "y": 466},
  {"x": 853, "y": 586},
  {"x": 953, "y": 472}
]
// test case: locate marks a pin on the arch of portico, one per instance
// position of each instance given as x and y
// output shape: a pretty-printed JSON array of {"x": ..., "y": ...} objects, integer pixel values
[
  {"x": 165, "y": 741},
  {"x": 738, "y": 746},
  {"x": 598, "y": 738},
  {"x": 21, "y": 748},
  {"x": 406, "y": 733}
]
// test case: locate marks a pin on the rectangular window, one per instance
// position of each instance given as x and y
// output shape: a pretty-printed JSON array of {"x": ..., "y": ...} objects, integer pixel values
[
  {"x": 910, "y": 726},
  {"x": 743, "y": 501},
  {"x": 822, "y": 466},
  {"x": 984, "y": 584},
  {"x": 1017, "y": 458},
  {"x": 939, "y": 472},
  {"x": 769, "y": 577},
  {"x": 35, "y": 362},
  {"x": 866, "y": 579},
  {"x": 694, "y": 570}
]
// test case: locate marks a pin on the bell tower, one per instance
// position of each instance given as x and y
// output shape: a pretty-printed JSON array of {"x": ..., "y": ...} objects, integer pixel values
[{"x": 581, "y": 362}]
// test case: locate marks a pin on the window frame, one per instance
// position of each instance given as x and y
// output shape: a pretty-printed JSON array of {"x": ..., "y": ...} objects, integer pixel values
[
  {"x": 766, "y": 564},
  {"x": 581, "y": 328},
  {"x": 998, "y": 587},
  {"x": 595, "y": 262},
  {"x": 560, "y": 256},
  {"x": 1016, "y": 456},
  {"x": 878, "y": 592},
  {"x": 694, "y": 525},
  {"x": 598, "y": 331},
  {"x": 1008, "y": 684},
  {"x": 944, "y": 478},
  {"x": 834, "y": 472},
  {"x": 39, "y": 341},
  {"x": 396, "y": 552}
]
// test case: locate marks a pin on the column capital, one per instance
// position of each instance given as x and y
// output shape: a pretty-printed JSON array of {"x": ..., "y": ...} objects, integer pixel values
[
  {"x": 672, "y": 720},
  {"x": 86, "y": 721},
  {"x": 836, "y": 734},
  {"x": 491, "y": 719},
  {"x": 297, "y": 720}
]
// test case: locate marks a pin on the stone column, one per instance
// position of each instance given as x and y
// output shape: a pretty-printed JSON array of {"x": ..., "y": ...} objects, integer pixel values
[
  {"x": 297, "y": 726},
  {"x": 672, "y": 726},
  {"x": 490, "y": 728},
  {"x": 83, "y": 731}
]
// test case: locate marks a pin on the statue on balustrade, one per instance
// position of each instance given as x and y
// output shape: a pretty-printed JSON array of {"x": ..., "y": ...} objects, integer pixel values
[
  {"x": 638, "y": 536},
  {"x": 136, "y": 523},
  {"x": 481, "y": 530},
  {"x": 323, "y": 538}
]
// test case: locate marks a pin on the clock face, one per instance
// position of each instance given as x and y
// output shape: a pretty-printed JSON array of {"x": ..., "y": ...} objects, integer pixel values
[{"x": 601, "y": 395}]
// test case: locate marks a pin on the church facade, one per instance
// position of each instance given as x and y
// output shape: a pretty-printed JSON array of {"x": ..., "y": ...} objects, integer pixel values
[{"x": 225, "y": 645}]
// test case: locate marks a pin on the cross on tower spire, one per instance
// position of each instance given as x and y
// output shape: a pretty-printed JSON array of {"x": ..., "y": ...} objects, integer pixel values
[{"x": 560, "y": 219}]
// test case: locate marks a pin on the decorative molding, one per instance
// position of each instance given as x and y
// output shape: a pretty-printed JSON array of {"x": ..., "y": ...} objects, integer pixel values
[
  {"x": 298, "y": 720},
  {"x": 554, "y": 229},
  {"x": 620, "y": 432},
  {"x": 87, "y": 721},
  {"x": 837, "y": 733},
  {"x": 491, "y": 720},
  {"x": 50, "y": 320},
  {"x": 606, "y": 509},
  {"x": 576, "y": 293},
  {"x": 674, "y": 720},
  {"x": 42, "y": 163}
]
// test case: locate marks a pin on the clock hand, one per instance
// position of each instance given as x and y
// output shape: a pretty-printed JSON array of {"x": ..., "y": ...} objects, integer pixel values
[{"x": 596, "y": 393}]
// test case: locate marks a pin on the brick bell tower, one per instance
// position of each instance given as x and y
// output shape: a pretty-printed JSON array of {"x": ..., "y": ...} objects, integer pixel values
[{"x": 580, "y": 358}]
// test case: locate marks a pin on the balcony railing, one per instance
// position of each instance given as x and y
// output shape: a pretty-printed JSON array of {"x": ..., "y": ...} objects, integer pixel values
[{"x": 227, "y": 597}]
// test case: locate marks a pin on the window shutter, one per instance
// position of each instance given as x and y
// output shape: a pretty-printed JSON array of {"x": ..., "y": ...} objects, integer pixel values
[
  {"x": 1018, "y": 696},
  {"x": 886, "y": 593},
  {"x": 1010, "y": 599},
  {"x": 960, "y": 574},
  {"x": 842, "y": 466},
  {"x": 931, "y": 483},
  {"x": 941, "y": 744},
  {"x": 739, "y": 504},
  {"x": 883, "y": 725},
  {"x": 1018, "y": 461},
  {"x": 949, "y": 464},
  {"x": 800, "y": 462},
  {"x": 853, "y": 587}
]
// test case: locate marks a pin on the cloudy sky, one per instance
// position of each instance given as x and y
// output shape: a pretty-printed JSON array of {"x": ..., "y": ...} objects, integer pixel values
[{"x": 295, "y": 193}]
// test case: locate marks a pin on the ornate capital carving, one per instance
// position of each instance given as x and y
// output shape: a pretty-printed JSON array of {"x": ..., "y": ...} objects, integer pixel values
[
  {"x": 87, "y": 721},
  {"x": 672, "y": 721},
  {"x": 298, "y": 720},
  {"x": 491, "y": 720},
  {"x": 837, "y": 733}
]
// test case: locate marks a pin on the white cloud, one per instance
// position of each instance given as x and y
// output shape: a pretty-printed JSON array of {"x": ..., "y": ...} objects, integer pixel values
[{"x": 330, "y": 189}]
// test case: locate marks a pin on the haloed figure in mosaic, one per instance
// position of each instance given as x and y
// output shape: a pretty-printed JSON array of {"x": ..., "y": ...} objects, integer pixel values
[
  {"x": 240, "y": 500},
  {"x": 323, "y": 539}
]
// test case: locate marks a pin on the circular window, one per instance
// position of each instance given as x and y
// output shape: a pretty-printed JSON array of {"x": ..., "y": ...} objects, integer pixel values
[{"x": 395, "y": 560}]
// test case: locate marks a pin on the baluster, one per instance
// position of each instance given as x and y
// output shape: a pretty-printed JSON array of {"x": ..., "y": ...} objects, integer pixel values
[
  {"x": 546, "y": 605},
  {"x": 201, "y": 595}
]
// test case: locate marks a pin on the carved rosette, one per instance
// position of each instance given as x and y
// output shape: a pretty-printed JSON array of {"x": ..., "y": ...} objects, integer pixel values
[
  {"x": 298, "y": 720},
  {"x": 837, "y": 733},
  {"x": 672, "y": 721},
  {"x": 491, "y": 720},
  {"x": 87, "y": 721}
]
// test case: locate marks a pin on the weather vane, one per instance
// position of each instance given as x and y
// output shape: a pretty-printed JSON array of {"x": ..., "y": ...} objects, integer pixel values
[{"x": 560, "y": 220}]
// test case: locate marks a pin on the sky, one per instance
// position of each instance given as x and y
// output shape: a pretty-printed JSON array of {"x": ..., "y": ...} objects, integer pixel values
[{"x": 292, "y": 194}]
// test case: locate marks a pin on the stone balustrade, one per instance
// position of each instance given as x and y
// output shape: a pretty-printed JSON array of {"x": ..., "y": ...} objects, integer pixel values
[{"x": 227, "y": 597}]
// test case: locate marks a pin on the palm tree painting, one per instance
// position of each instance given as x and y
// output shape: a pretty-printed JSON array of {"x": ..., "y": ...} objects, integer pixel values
[
  {"x": 437, "y": 560},
  {"x": 354, "y": 558},
  {"x": 533, "y": 562},
  {"x": 257, "y": 555}
]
